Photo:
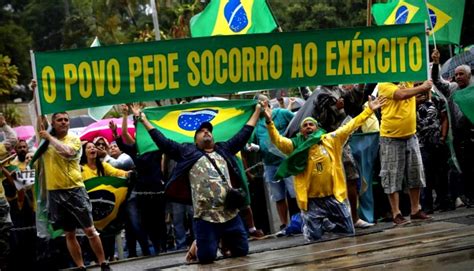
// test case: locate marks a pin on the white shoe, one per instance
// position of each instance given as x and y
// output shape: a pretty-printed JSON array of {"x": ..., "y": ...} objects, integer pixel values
[
  {"x": 459, "y": 203},
  {"x": 361, "y": 224}
]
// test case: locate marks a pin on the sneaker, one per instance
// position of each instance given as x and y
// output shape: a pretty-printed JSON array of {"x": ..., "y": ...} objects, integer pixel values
[
  {"x": 361, "y": 224},
  {"x": 459, "y": 203},
  {"x": 256, "y": 234},
  {"x": 282, "y": 231},
  {"x": 400, "y": 220},
  {"x": 420, "y": 215},
  {"x": 105, "y": 266}
]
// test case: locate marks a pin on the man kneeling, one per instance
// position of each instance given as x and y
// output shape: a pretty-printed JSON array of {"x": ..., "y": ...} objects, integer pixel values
[{"x": 315, "y": 159}]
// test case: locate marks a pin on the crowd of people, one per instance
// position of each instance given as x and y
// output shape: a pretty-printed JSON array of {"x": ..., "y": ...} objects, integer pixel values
[{"x": 200, "y": 190}]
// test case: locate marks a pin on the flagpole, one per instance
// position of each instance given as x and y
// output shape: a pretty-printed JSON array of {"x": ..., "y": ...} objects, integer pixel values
[
  {"x": 369, "y": 11},
  {"x": 431, "y": 23},
  {"x": 273, "y": 15},
  {"x": 156, "y": 25}
]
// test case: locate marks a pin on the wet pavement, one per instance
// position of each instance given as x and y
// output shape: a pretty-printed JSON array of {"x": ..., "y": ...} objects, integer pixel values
[{"x": 445, "y": 242}]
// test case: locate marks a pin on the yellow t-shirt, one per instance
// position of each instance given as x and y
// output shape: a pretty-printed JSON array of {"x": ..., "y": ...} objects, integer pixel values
[
  {"x": 324, "y": 172},
  {"x": 88, "y": 173},
  {"x": 61, "y": 172},
  {"x": 398, "y": 116}
]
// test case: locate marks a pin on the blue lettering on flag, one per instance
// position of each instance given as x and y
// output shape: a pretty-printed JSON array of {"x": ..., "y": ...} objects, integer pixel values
[
  {"x": 235, "y": 15},
  {"x": 191, "y": 120}
]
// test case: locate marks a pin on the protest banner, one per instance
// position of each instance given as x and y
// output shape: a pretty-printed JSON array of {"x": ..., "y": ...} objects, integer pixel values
[{"x": 83, "y": 78}]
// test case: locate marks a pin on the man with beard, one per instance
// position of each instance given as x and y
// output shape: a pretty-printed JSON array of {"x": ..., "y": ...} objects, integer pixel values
[
  {"x": 204, "y": 175},
  {"x": 315, "y": 159},
  {"x": 22, "y": 211}
]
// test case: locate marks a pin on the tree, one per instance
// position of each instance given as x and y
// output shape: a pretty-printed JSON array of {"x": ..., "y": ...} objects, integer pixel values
[{"x": 8, "y": 77}]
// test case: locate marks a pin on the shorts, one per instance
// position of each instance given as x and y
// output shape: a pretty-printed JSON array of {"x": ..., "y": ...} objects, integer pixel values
[
  {"x": 401, "y": 164},
  {"x": 278, "y": 188},
  {"x": 70, "y": 209},
  {"x": 350, "y": 166}
]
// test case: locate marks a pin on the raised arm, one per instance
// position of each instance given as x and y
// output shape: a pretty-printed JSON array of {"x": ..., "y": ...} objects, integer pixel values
[
  {"x": 168, "y": 146},
  {"x": 440, "y": 84},
  {"x": 342, "y": 133},
  {"x": 282, "y": 143},
  {"x": 407, "y": 93}
]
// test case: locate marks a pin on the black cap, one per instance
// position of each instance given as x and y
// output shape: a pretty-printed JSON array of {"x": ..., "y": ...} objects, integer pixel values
[{"x": 205, "y": 124}]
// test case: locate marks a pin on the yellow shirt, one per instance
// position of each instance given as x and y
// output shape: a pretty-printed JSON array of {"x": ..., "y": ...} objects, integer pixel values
[
  {"x": 61, "y": 172},
  {"x": 398, "y": 116},
  {"x": 324, "y": 173},
  {"x": 88, "y": 173}
]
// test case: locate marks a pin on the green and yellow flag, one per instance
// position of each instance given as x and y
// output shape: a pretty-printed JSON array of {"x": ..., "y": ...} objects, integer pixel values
[
  {"x": 107, "y": 194},
  {"x": 400, "y": 12},
  {"x": 233, "y": 17},
  {"x": 179, "y": 122},
  {"x": 445, "y": 16},
  {"x": 465, "y": 100}
]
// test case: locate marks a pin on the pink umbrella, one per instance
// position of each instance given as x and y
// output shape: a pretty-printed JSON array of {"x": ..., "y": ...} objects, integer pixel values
[
  {"x": 101, "y": 128},
  {"x": 24, "y": 132}
]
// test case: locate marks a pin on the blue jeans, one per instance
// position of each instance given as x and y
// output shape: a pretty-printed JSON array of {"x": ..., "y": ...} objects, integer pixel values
[
  {"x": 233, "y": 235},
  {"x": 181, "y": 212}
]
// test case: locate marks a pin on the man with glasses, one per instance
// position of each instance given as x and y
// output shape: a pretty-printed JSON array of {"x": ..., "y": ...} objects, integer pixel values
[{"x": 69, "y": 204}]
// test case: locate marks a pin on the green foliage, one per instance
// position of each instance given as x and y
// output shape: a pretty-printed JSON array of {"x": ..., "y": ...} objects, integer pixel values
[
  {"x": 12, "y": 115},
  {"x": 8, "y": 75},
  {"x": 16, "y": 44}
]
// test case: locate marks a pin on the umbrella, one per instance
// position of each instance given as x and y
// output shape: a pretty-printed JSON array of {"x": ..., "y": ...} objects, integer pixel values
[
  {"x": 80, "y": 121},
  {"x": 101, "y": 128},
  {"x": 24, "y": 132},
  {"x": 299, "y": 102},
  {"x": 467, "y": 57},
  {"x": 208, "y": 99}
]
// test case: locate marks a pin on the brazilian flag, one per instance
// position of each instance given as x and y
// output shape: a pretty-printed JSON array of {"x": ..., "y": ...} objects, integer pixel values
[
  {"x": 465, "y": 100},
  {"x": 233, "y": 17},
  {"x": 444, "y": 16},
  {"x": 106, "y": 194},
  {"x": 400, "y": 12},
  {"x": 179, "y": 122}
]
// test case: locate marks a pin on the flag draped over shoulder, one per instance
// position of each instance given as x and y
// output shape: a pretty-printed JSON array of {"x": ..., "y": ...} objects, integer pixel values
[
  {"x": 365, "y": 148},
  {"x": 465, "y": 100},
  {"x": 106, "y": 194},
  {"x": 445, "y": 16},
  {"x": 233, "y": 17},
  {"x": 179, "y": 122}
]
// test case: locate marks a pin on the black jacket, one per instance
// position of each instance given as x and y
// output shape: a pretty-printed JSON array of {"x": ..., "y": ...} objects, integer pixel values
[{"x": 186, "y": 155}]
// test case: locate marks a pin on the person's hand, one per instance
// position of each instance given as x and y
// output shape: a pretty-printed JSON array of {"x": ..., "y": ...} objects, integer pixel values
[
  {"x": 101, "y": 152},
  {"x": 113, "y": 127},
  {"x": 427, "y": 85},
  {"x": 44, "y": 134},
  {"x": 135, "y": 107},
  {"x": 33, "y": 85},
  {"x": 435, "y": 56},
  {"x": 377, "y": 103},
  {"x": 124, "y": 109},
  {"x": 266, "y": 112}
]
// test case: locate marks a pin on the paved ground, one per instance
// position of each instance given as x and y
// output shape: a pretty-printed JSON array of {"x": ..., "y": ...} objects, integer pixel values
[{"x": 451, "y": 244}]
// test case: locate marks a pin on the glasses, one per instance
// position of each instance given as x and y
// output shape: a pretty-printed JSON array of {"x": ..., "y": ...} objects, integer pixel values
[
  {"x": 101, "y": 144},
  {"x": 62, "y": 119}
]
